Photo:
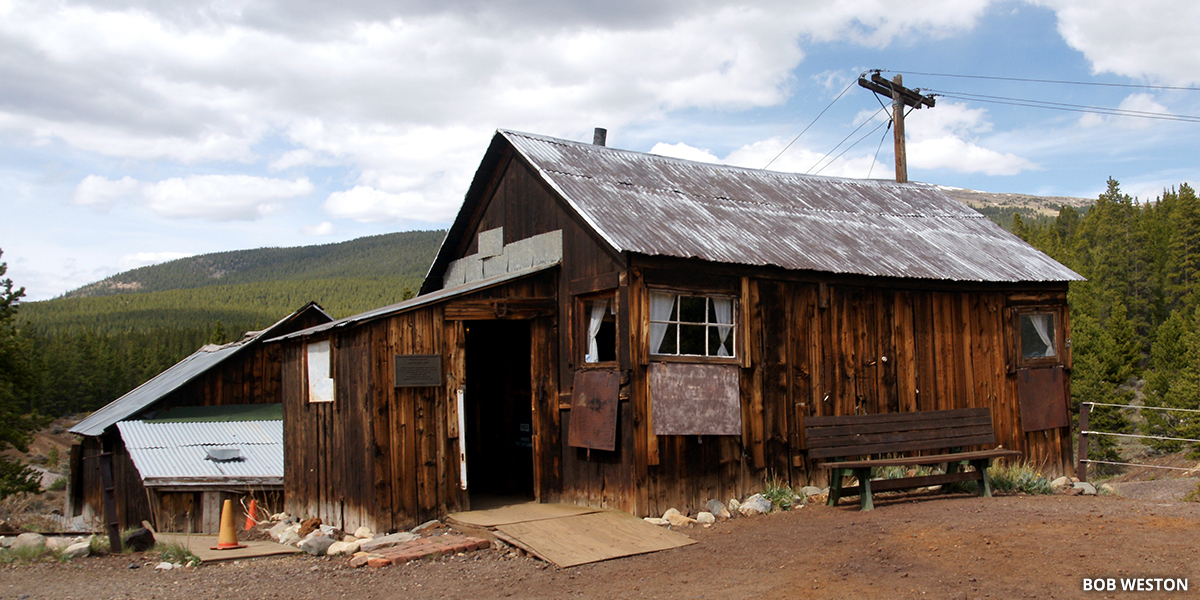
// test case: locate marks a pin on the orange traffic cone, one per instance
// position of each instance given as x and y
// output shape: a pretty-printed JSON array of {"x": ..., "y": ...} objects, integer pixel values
[
  {"x": 228, "y": 538},
  {"x": 251, "y": 521}
]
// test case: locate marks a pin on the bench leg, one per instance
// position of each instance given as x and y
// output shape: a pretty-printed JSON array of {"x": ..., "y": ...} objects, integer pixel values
[
  {"x": 835, "y": 486},
  {"x": 985, "y": 482},
  {"x": 864, "y": 489}
]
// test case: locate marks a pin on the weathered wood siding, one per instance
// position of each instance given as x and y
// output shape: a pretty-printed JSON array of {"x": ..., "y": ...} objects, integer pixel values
[{"x": 838, "y": 348}]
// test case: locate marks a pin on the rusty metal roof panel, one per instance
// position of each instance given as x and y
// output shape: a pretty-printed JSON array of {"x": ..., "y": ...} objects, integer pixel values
[{"x": 657, "y": 205}]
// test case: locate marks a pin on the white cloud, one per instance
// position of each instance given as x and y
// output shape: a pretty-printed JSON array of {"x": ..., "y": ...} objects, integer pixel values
[
  {"x": 947, "y": 138},
  {"x": 368, "y": 205},
  {"x": 101, "y": 192},
  {"x": 222, "y": 197},
  {"x": 1150, "y": 39},
  {"x": 212, "y": 197},
  {"x": 142, "y": 259},
  {"x": 684, "y": 151},
  {"x": 1138, "y": 103},
  {"x": 322, "y": 228}
]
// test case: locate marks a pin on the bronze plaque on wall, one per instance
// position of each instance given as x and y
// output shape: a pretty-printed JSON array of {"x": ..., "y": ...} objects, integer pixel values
[
  {"x": 695, "y": 399},
  {"x": 418, "y": 370},
  {"x": 594, "y": 410},
  {"x": 1043, "y": 399}
]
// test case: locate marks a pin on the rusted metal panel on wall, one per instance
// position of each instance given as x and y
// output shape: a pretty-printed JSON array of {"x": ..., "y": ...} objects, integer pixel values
[
  {"x": 1043, "y": 399},
  {"x": 695, "y": 399},
  {"x": 594, "y": 410}
]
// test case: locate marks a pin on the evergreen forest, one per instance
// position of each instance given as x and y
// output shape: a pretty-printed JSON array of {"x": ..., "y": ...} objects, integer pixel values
[{"x": 83, "y": 350}]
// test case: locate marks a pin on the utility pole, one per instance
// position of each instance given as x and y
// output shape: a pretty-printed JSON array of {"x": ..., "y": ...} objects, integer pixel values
[{"x": 900, "y": 97}]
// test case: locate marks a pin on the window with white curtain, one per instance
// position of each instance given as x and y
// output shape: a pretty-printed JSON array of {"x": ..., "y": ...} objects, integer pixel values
[
  {"x": 1037, "y": 336},
  {"x": 692, "y": 325},
  {"x": 320, "y": 372},
  {"x": 600, "y": 324}
]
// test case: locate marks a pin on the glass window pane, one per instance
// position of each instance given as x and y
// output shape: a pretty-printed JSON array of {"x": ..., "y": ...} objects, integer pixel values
[
  {"x": 670, "y": 343},
  {"x": 692, "y": 309},
  {"x": 1037, "y": 336},
  {"x": 720, "y": 341},
  {"x": 691, "y": 340}
]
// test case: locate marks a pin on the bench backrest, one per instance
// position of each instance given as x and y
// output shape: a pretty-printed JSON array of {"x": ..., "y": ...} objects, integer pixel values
[{"x": 862, "y": 435}]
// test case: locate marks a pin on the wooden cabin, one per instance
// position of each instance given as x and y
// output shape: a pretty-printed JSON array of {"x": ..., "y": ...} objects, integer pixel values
[
  {"x": 230, "y": 376},
  {"x": 619, "y": 329}
]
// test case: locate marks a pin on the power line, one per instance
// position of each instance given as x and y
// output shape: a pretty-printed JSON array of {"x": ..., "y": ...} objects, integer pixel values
[
  {"x": 1058, "y": 81},
  {"x": 1119, "y": 112},
  {"x": 856, "y": 129},
  {"x": 839, "y": 97}
]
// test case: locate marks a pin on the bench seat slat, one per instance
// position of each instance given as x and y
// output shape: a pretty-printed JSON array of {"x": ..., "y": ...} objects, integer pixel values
[
  {"x": 909, "y": 446},
  {"x": 933, "y": 459}
]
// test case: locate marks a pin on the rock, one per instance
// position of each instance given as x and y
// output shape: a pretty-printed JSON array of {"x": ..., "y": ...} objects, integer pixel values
[
  {"x": 1085, "y": 488},
  {"x": 385, "y": 541},
  {"x": 278, "y": 517},
  {"x": 29, "y": 540},
  {"x": 363, "y": 533},
  {"x": 316, "y": 545},
  {"x": 809, "y": 491},
  {"x": 706, "y": 518},
  {"x": 717, "y": 509},
  {"x": 1061, "y": 483},
  {"x": 679, "y": 520},
  {"x": 164, "y": 566},
  {"x": 1106, "y": 489},
  {"x": 6, "y": 542},
  {"x": 656, "y": 521},
  {"x": 361, "y": 558},
  {"x": 427, "y": 525},
  {"x": 59, "y": 543},
  {"x": 734, "y": 505},
  {"x": 309, "y": 526},
  {"x": 670, "y": 511},
  {"x": 798, "y": 506},
  {"x": 78, "y": 550},
  {"x": 340, "y": 548},
  {"x": 755, "y": 505},
  {"x": 289, "y": 537},
  {"x": 276, "y": 532},
  {"x": 330, "y": 531},
  {"x": 139, "y": 540}
]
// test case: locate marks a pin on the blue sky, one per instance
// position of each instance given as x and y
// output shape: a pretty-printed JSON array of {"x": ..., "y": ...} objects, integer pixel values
[{"x": 139, "y": 131}]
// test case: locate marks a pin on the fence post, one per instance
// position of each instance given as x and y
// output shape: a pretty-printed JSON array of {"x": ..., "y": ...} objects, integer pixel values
[{"x": 1085, "y": 409}]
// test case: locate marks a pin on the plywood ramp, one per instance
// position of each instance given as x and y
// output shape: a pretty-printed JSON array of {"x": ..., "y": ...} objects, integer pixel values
[{"x": 573, "y": 535}]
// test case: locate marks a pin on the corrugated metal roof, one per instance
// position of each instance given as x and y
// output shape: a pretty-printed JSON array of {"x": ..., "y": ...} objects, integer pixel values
[
  {"x": 172, "y": 379},
  {"x": 174, "y": 453},
  {"x": 656, "y": 205},
  {"x": 419, "y": 301}
]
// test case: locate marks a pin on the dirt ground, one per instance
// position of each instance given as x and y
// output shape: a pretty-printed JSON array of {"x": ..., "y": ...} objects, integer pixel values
[{"x": 946, "y": 546}]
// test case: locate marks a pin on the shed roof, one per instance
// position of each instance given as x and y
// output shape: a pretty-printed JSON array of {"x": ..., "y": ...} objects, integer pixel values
[
  {"x": 175, "y": 453},
  {"x": 656, "y": 205},
  {"x": 176, "y": 377}
]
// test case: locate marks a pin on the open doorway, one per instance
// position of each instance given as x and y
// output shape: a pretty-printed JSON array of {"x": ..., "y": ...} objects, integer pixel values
[{"x": 499, "y": 413}]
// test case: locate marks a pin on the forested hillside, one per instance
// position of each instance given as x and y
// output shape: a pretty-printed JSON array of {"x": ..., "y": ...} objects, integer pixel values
[
  {"x": 91, "y": 346},
  {"x": 1137, "y": 319}
]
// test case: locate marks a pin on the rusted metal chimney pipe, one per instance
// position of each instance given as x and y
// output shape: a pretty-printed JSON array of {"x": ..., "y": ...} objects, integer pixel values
[{"x": 599, "y": 136}]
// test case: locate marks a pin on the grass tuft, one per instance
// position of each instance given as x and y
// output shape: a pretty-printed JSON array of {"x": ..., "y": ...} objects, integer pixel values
[
  {"x": 779, "y": 493},
  {"x": 175, "y": 552},
  {"x": 1019, "y": 477}
]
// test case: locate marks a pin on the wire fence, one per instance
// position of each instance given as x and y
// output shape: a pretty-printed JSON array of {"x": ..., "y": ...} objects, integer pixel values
[{"x": 1085, "y": 409}]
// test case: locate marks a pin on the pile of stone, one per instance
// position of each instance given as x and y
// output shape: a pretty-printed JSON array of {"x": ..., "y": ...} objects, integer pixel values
[
  {"x": 1075, "y": 487},
  {"x": 366, "y": 547},
  {"x": 66, "y": 547},
  {"x": 716, "y": 511}
]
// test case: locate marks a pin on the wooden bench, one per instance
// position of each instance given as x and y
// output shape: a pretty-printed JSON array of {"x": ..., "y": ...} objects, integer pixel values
[{"x": 939, "y": 434}]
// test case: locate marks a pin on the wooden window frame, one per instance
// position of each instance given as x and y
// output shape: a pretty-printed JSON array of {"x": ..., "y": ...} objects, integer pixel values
[
  {"x": 1059, "y": 334},
  {"x": 581, "y": 319},
  {"x": 735, "y": 335}
]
